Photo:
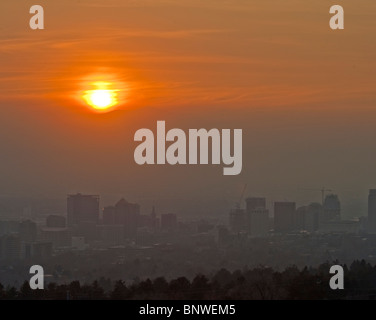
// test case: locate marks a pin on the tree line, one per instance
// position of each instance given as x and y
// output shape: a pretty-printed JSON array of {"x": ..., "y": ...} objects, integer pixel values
[{"x": 260, "y": 283}]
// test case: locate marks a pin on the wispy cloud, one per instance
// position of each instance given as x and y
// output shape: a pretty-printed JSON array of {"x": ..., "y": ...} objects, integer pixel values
[{"x": 65, "y": 39}]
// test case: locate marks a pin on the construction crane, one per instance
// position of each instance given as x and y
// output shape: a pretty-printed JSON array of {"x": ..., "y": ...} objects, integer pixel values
[
  {"x": 238, "y": 205},
  {"x": 323, "y": 190}
]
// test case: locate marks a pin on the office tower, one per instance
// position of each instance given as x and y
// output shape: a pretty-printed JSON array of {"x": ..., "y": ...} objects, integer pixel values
[
  {"x": 169, "y": 221},
  {"x": 127, "y": 214},
  {"x": 257, "y": 216},
  {"x": 238, "y": 221},
  {"x": 10, "y": 247},
  {"x": 109, "y": 215},
  {"x": 82, "y": 209},
  {"x": 372, "y": 211},
  {"x": 331, "y": 208},
  {"x": 253, "y": 203},
  {"x": 259, "y": 222},
  {"x": 284, "y": 213},
  {"x": 311, "y": 218},
  {"x": 300, "y": 215}
]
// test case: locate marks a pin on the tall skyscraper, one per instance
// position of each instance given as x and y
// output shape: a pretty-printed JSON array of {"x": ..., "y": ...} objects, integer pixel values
[
  {"x": 237, "y": 220},
  {"x": 332, "y": 208},
  {"x": 108, "y": 215},
  {"x": 127, "y": 214},
  {"x": 299, "y": 220},
  {"x": 284, "y": 213},
  {"x": 10, "y": 247},
  {"x": 82, "y": 209},
  {"x": 257, "y": 216},
  {"x": 259, "y": 222},
  {"x": 372, "y": 210},
  {"x": 253, "y": 203},
  {"x": 312, "y": 215}
]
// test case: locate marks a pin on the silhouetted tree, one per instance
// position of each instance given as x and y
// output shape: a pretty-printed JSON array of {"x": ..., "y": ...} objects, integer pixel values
[
  {"x": 26, "y": 293},
  {"x": 258, "y": 283},
  {"x": 200, "y": 288},
  {"x": 93, "y": 292},
  {"x": 179, "y": 288},
  {"x": 120, "y": 291},
  {"x": 11, "y": 293},
  {"x": 2, "y": 292},
  {"x": 222, "y": 277},
  {"x": 160, "y": 286}
]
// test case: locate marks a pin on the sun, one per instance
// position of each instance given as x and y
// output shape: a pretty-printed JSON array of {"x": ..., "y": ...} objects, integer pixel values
[{"x": 102, "y": 97}]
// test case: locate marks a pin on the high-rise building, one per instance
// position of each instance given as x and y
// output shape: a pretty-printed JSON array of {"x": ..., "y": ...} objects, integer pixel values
[
  {"x": 284, "y": 213},
  {"x": 331, "y": 209},
  {"x": 82, "y": 209},
  {"x": 372, "y": 210},
  {"x": 109, "y": 215},
  {"x": 10, "y": 247},
  {"x": 127, "y": 214},
  {"x": 238, "y": 220},
  {"x": 299, "y": 219},
  {"x": 311, "y": 218},
  {"x": 259, "y": 222},
  {"x": 257, "y": 216},
  {"x": 253, "y": 203},
  {"x": 307, "y": 217}
]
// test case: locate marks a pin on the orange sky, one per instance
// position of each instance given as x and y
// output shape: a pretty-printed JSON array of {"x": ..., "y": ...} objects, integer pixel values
[
  {"x": 237, "y": 53},
  {"x": 303, "y": 94}
]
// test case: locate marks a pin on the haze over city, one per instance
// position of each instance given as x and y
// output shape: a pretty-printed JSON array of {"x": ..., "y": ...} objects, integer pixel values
[{"x": 187, "y": 150}]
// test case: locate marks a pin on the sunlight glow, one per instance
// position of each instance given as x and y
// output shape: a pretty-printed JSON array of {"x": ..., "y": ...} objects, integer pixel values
[{"x": 103, "y": 97}]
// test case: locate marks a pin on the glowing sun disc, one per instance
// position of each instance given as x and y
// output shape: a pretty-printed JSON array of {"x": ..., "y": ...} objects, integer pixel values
[{"x": 102, "y": 98}]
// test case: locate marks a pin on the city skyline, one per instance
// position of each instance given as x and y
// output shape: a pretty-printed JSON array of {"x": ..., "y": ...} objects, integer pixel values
[
  {"x": 304, "y": 196},
  {"x": 118, "y": 229}
]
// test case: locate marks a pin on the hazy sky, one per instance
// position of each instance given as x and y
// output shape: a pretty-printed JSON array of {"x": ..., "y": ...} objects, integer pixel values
[{"x": 303, "y": 94}]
